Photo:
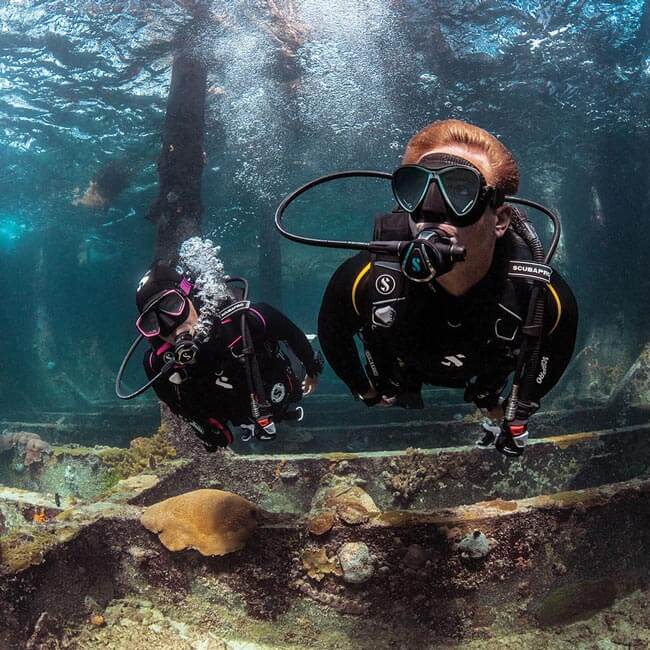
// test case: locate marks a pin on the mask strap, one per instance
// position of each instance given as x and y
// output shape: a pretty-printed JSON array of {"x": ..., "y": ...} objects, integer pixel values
[
  {"x": 185, "y": 286},
  {"x": 442, "y": 159}
]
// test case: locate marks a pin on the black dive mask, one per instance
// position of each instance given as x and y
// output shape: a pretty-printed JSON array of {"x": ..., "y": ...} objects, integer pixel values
[
  {"x": 185, "y": 349},
  {"x": 163, "y": 314},
  {"x": 444, "y": 188}
]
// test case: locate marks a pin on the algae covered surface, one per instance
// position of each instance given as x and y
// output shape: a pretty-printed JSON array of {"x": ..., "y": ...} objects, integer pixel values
[
  {"x": 35, "y": 523},
  {"x": 208, "y": 620}
]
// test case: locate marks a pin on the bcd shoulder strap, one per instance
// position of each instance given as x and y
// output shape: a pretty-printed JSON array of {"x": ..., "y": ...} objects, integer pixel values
[
  {"x": 388, "y": 288},
  {"x": 234, "y": 308},
  {"x": 512, "y": 304}
]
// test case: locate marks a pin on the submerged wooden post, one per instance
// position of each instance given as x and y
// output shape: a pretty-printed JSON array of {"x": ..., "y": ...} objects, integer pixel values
[
  {"x": 634, "y": 388},
  {"x": 289, "y": 35},
  {"x": 178, "y": 209}
]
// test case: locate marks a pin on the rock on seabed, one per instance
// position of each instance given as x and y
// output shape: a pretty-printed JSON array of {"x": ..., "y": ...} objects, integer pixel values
[{"x": 357, "y": 562}]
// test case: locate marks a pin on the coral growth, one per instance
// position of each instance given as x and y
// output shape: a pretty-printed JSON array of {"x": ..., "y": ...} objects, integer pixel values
[
  {"x": 29, "y": 446},
  {"x": 211, "y": 521},
  {"x": 318, "y": 564},
  {"x": 407, "y": 477},
  {"x": 143, "y": 454},
  {"x": 352, "y": 513},
  {"x": 21, "y": 548},
  {"x": 474, "y": 546},
  {"x": 321, "y": 522},
  {"x": 339, "y": 497}
]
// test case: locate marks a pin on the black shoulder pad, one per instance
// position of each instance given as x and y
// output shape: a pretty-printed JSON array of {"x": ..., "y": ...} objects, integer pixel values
[{"x": 393, "y": 226}]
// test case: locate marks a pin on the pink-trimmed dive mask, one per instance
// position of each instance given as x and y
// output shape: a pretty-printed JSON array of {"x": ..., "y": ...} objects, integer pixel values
[{"x": 163, "y": 314}]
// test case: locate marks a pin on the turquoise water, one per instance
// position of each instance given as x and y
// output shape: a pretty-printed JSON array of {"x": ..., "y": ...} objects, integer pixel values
[
  {"x": 564, "y": 84},
  {"x": 297, "y": 89}
]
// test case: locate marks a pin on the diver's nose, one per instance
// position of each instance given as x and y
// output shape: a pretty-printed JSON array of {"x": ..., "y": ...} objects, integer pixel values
[
  {"x": 166, "y": 321},
  {"x": 433, "y": 205}
]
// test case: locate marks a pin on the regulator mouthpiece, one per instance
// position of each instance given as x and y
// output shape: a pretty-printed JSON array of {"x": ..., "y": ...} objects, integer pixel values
[
  {"x": 432, "y": 254},
  {"x": 184, "y": 351}
]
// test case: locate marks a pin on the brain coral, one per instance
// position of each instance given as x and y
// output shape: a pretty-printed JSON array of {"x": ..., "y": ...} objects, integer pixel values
[{"x": 211, "y": 521}]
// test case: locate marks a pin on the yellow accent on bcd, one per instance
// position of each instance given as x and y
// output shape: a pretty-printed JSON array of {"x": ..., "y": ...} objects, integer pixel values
[
  {"x": 358, "y": 279},
  {"x": 559, "y": 307}
]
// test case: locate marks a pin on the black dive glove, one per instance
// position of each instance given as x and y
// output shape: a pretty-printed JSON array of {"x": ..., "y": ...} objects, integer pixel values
[
  {"x": 371, "y": 401},
  {"x": 509, "y": 438},
  {"x": 315, "y": 368}
]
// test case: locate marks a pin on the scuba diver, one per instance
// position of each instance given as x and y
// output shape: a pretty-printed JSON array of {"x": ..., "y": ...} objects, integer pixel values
[
  {"x": 216, "y": 359},
  {"x": 237, "y": 373},
  {"x": 454, "y": 290}
]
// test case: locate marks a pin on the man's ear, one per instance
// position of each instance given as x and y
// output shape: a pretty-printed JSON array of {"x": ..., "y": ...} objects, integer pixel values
[{"x": 504, "y": 215}]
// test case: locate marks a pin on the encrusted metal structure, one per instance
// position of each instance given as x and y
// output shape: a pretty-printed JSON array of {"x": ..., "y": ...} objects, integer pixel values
[{"x": 405, "y": 547}]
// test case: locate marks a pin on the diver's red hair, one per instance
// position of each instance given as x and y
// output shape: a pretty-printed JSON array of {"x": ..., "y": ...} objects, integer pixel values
[{"x": 446, "y": 132}]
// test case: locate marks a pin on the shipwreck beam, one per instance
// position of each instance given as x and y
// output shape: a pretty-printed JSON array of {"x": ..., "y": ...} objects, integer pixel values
[{"x": 535, "y": 557}]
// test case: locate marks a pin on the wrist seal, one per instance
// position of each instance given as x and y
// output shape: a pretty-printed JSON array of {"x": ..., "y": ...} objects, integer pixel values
[
  {"x": 315, "y": 368},
  {"x": 484, "y": 398}
]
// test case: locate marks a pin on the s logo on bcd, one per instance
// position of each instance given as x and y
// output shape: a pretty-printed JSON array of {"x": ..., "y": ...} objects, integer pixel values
[
  {"x": 385, "y": 284},
  {"x": 416, "y": 264},
  {"x": 278, "y": 393}
]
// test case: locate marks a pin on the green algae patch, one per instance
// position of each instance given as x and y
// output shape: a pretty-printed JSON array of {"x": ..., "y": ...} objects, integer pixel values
[
  {"x": 575, "y": 602},
  {"x": 20, "y": 549},
  {"x": 75, "y": 451},
  {"x": 91, "y": 473},
  {"x": 317, "y": 564},
  {"x": 568, "y": 440},
  {"x": 338, "y": 456}
]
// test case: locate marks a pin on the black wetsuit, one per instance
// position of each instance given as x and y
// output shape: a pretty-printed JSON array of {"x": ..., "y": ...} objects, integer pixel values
[
  {"x": 216, "y": 391},
  {"x": 443, "y": 340}
]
